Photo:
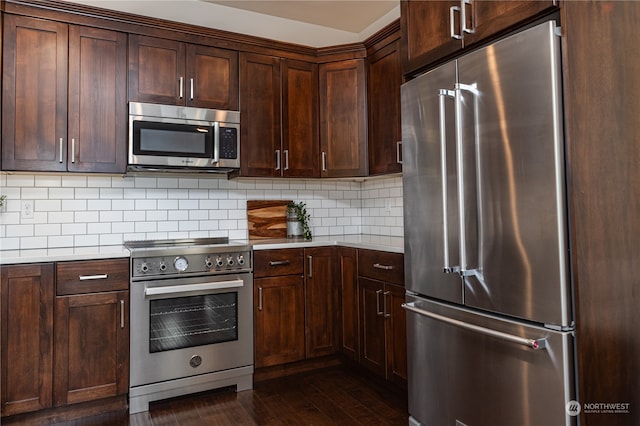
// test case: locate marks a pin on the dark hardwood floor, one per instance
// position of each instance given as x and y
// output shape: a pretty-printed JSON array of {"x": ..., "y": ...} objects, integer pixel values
[{"x": 330, "y": 396}]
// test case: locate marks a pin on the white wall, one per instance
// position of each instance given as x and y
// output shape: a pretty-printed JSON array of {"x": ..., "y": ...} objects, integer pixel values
[{"x": 86, "y": 210}]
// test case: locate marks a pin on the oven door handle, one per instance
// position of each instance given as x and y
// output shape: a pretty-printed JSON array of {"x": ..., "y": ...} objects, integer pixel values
[{"x": 188, "y": 288}]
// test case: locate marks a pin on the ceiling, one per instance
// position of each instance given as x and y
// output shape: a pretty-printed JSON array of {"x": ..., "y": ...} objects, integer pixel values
[{"x": 315, "y": 23}]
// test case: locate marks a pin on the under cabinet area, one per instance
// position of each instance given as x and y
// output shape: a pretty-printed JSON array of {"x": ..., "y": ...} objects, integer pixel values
[
  {"x": 65, "y": 333},
  {"x": 174, "y": 73},
  {"x": 63, "y": 97}
]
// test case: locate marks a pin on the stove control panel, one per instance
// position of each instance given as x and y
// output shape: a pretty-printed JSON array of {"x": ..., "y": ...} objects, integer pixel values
[{"x": 201, "y": 263}]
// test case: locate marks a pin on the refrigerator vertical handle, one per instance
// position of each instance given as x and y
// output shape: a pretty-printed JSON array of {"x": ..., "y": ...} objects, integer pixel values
[
  {"x": 460, "y": 168},
  {"x": 443, "y": 168}
]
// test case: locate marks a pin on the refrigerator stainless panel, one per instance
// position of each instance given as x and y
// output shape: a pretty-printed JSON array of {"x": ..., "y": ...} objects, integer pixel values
[
  {"x": 461, "y": 375},
  {"x": 511, "y": 113},
  {"x": 430, "y": 246}
]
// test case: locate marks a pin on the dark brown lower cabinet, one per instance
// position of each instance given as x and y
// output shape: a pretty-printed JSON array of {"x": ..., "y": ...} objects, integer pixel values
[
  {"x": 26, "y": 350},
  {"x": 350, "y": 336},
  {"x": 383, "y": 345},
  {"x": 91, "y": 347},
  {"x": 321, "y": 302},
  {"x": 66, "y": 349},
  {"x": 279, "y": 320}
]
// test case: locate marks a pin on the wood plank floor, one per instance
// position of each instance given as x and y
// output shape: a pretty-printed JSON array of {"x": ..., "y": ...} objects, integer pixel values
[{"x": 331, "y": 396}]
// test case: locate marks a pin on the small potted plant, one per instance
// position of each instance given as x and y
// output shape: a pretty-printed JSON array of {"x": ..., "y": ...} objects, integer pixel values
[
  {"x": 2, "y": 198},
  {"x": 298, "y": 220}
]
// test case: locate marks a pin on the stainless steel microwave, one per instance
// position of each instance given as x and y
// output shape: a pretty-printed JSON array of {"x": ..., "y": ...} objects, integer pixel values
[{"x": 175, "y": 138}]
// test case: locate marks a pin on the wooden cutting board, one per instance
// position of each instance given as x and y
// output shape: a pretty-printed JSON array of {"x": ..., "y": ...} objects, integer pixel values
[{"x": 267, "y": 218}]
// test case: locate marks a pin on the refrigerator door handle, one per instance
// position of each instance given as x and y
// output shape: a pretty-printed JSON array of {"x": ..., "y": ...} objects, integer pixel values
[
  {"x": 459, "y": 87},
  {"x": 443, "y": 93},
  {"x": 530, "y": 343}
]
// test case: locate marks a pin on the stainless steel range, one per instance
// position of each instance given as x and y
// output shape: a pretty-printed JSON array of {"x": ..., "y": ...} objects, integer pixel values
[{"x": 191, "y": 318}]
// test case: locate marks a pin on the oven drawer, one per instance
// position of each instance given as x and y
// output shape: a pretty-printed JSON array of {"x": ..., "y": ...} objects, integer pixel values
[
  {"x": 381, "y": 266},
  {"x": 271, "y": 263},
  {"x": 91, "y": 276}
]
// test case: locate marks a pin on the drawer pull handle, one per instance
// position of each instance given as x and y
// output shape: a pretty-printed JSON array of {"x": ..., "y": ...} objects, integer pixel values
[
  {"x": 93, "y": 277},
  {"x": 279, "y": 262},
  {"x": 385, "y": 267}
]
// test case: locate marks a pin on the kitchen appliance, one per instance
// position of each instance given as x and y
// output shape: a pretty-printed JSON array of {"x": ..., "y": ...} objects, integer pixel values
[
  {"x": 489, "y": 309},
  {"x": 172, "y": 138},
  {"x": 191, "y": 318}
]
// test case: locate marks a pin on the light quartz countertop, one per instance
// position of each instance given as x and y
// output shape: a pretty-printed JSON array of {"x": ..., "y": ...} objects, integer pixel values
[
  {"x": 371, "y": 242},
  {"x": 8, "y": 257}
]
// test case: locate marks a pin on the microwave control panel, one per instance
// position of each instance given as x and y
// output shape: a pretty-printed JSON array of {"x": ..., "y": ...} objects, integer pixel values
[{"x": 228, "y": 142}]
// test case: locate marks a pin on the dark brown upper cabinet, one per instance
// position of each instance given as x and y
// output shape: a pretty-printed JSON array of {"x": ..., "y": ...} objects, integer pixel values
[
  {"x": 343, "y": 119},
  {"x": 383, "y": 90},
  {"x": 433, "y": 30},
  {"x": 174, "y": 73},
  {"x": 64, "y": 97},
  {"x": 278, "y": 106}
]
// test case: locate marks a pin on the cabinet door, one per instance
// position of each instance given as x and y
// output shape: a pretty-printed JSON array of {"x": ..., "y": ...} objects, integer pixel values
[
  {"x": 156, "y": 70},
  {"x": 321, "y": 302},
  {"x": 489, "y": 17},
  {"x": 372, "y": 325},
  {"x": 91, "y": 346},
  {"x": 97, "y": 100},
  {"x": 343, "y": 129},
  {"x": 34, "y": 95},
  {"x": 396, "y": 334},
  {"x": 385, "y": 78},
  {"x": 278, "y": 320},
  {"x": 26, "y": 330},
  {"x": 426, "y": 32},
  {"x": 260, "y": 111},
  {"x": 348, "y": 262},
  {"x": 212, "y": 77},
  {"x": 300, "y": 142}
]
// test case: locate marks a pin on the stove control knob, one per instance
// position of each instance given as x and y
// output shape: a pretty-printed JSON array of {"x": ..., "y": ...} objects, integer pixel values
[
  {"x": 240, "y": 260},
  {"x": 208, "y": 262},
  {"x": 230, "y": 260},
  {"x": 144, "y": 267},
  {"x": 219, "y": 262},
  {"x": 181, "y": 264},
  {"x": 163, "y": 266}
]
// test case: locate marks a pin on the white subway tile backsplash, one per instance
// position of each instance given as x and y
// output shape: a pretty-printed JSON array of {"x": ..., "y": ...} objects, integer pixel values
[{"x": 78, "y": 210}]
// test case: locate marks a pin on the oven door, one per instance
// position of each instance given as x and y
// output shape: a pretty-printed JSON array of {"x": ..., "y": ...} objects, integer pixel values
[{"x": 190, "y": 326}]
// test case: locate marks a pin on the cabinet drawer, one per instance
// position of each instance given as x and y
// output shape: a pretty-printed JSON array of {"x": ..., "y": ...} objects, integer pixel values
[
  {"x": 381, "y": 266},
  {"x": 270, "y": 263},
  {"x": 92, "y": 276}
]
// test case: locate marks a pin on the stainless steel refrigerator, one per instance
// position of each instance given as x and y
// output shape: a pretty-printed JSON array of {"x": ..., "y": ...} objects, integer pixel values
[{"x": 489, "y": 307}]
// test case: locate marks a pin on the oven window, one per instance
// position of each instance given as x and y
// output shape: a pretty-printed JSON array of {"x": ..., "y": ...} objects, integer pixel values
[{"x": 192, "y": 321}]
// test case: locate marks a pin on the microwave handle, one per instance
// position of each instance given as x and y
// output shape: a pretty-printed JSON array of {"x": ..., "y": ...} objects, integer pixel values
[{"x": 216, "y": 143}]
